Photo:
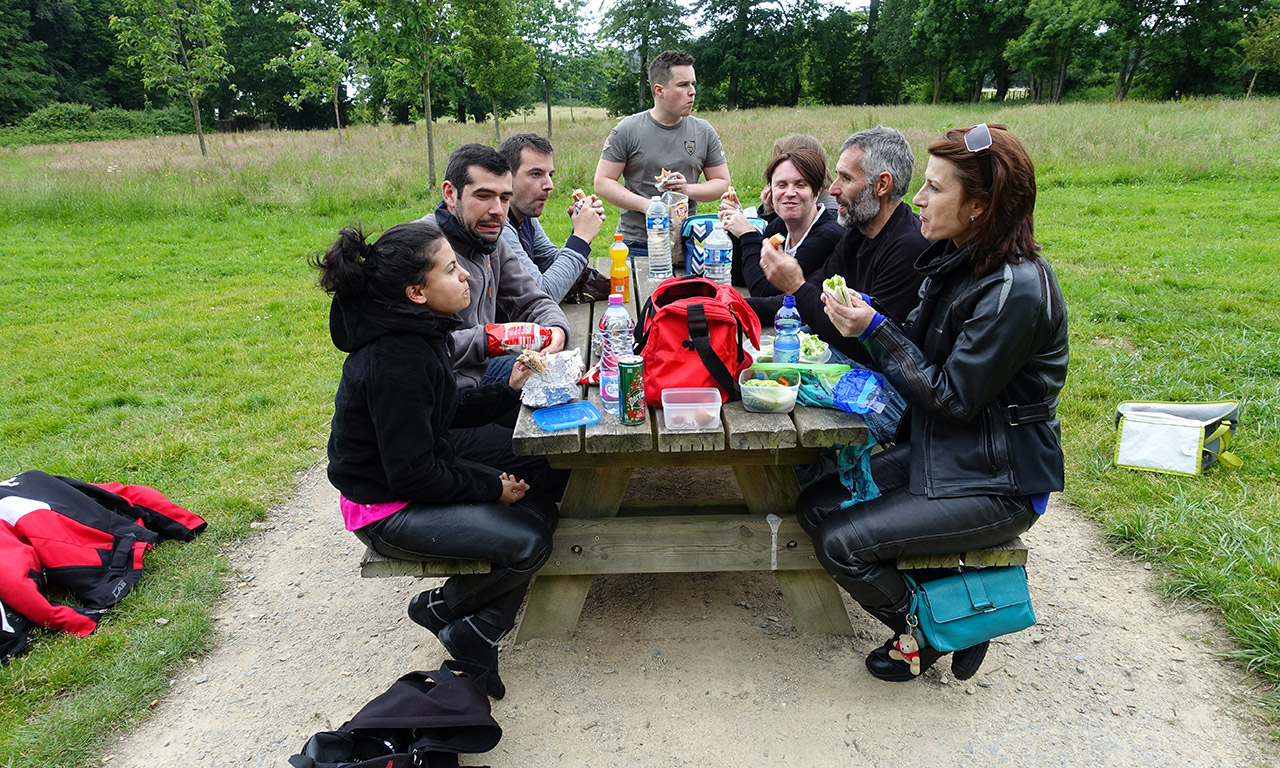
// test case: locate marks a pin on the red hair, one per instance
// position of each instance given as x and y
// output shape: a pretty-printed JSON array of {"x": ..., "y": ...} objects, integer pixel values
[{"x": 1005, "y": 232}]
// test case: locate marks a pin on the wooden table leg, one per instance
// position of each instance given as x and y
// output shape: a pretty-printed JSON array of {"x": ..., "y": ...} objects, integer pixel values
[
  {"x": 554, "y": 602},
  {"x": 812, "y": 598}
]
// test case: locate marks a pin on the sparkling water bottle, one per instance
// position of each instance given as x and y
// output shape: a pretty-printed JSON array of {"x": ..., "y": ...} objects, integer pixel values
[
  {"x": 719, "y": 260},
  {"x": 658, "y": 225},
  {"x": 786, "y": 324},
  {"x": 616, "y": 339}
]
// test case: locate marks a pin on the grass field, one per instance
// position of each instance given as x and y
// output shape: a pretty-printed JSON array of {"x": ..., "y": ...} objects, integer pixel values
[{"x": 161, "y": 327}]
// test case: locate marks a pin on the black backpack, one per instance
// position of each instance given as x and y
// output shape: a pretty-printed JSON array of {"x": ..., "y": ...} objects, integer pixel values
[{"x": 424, "y": 719}]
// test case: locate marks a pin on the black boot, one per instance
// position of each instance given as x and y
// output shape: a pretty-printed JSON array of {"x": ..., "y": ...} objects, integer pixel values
[
  {"x": 883, "y": 666},
  {"x": 429, "y": 609},
  {"x": 965, "y": 663},
  {"x": 466, "y": 639}
]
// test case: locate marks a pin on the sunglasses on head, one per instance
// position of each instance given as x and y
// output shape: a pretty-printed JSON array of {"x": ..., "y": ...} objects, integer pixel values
[{"x": 978, "y": 141}]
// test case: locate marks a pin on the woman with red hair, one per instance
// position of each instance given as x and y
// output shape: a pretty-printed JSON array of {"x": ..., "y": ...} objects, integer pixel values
[{"x": 980, "y": 362}]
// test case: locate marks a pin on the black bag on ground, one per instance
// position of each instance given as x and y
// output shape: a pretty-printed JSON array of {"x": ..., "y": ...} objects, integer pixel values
[{"x": 424, "y": 719}]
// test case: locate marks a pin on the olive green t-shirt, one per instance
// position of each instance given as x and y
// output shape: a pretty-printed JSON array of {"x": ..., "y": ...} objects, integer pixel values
[{"x": 645, "y": 147}]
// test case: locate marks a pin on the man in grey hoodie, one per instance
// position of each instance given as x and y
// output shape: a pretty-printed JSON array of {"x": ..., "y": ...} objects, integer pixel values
[{"x": 477, "y": 192}]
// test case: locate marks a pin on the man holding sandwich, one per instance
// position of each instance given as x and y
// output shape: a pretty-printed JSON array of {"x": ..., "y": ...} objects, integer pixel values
[
  {"x": 554, "y": 269},
  {"x": 876, "y": 256}
]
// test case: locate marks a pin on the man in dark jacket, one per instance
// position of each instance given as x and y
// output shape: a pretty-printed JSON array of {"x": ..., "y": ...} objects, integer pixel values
[{"x": 876, "y": 257}]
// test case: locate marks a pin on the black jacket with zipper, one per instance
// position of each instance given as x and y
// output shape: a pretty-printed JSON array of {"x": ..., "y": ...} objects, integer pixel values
[
  {"x": 981, "y": 362},
  {"x": 396, "y": 403}
]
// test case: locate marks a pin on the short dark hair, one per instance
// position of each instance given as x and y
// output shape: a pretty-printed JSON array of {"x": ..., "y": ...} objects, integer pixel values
[
  {"x": 458, "y": 171},
  {"x": 1006, "y": 230},
  {"x": 380, "y": 270},
  {"x": 660, "y": 67},
  {"x": 513, "y": 147},
  {"x": 811, "y": 165}
]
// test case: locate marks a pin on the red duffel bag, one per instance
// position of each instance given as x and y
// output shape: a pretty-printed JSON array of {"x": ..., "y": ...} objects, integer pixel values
[{"x": 691, "y": 334}]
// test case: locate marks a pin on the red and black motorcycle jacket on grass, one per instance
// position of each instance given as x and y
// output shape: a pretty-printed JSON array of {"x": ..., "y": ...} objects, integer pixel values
[{"x": 84, "y": 537}]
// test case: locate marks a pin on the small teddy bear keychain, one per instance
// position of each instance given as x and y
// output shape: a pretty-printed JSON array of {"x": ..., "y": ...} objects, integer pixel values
[{"x": 907, "y": 648}]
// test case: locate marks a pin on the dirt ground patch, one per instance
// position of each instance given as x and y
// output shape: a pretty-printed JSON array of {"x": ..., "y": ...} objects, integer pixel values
[{"x": 706, "y": 670}]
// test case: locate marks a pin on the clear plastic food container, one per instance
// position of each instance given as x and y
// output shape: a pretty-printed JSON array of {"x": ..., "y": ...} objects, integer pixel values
[{"x": 691, "y": 408}]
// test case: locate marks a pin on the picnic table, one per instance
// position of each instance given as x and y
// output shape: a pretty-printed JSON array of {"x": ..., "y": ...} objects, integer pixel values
[{"x": 601, "y": 532}]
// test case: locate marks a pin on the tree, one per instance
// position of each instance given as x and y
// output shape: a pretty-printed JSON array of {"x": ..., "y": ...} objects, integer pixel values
[
  {"x": 411, "y": 39},
  {"x": 25, "y": 86},
  {"x": 178, "y": 44},
  {"x": 1133, "y": 24},
  {"x": 1058, "y": 30},
  {"x": 645, "y": 27},
  {"x": 319, "y": 70},
  {"x": 894, "y": 41},
  {"x": 497, "y": 62},
  {"x": 1261, "y": 44},
  {"x": 553, "y": 29}
]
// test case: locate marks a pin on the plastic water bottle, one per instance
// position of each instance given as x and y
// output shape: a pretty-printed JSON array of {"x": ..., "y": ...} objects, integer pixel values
[
  {"x": 786, "y": 324},
  {"x": 719, "y": 260},
  {"x": 657, "y": 223},
  {"x": 616, "y": 339}
]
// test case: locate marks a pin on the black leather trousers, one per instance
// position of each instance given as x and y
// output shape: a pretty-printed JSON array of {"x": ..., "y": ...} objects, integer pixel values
[
  {"x": 516, "y": 540},
  {"x": 858, "y": 545}
]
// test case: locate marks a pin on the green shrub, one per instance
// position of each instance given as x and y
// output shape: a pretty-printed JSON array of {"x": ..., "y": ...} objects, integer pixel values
[
  {"x": 69, "y": 117},
  {"x": 124, "y": 122},
  {"x": 173, "y": 119}
]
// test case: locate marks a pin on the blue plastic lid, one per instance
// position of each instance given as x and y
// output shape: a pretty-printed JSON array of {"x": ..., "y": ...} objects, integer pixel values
[{"x": 566, "y": 415}]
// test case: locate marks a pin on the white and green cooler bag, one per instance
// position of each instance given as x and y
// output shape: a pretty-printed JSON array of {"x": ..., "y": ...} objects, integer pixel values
[{"x": 1176, "y": 438}]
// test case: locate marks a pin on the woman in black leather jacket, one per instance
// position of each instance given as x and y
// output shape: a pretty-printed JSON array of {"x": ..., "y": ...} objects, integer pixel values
[
  {"x": 404, "y": 490},
  {"x": 980, "y": 362}
]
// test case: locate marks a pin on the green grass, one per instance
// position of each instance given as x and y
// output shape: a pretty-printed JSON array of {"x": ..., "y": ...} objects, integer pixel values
[{"x": 161, "y": 327}]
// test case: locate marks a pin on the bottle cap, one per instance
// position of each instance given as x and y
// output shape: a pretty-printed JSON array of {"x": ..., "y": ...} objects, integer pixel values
[
  {"x": 788, "y": 300},
  {"x": 617, "y": 237},
  {"x": 615, "y": 299}
]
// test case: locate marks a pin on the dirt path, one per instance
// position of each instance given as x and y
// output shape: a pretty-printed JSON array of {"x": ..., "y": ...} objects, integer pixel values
[{"x": 704, "y": 670}]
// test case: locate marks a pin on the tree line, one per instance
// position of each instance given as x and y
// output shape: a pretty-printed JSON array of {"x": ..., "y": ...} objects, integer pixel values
[{"x": 315, "y": 63}]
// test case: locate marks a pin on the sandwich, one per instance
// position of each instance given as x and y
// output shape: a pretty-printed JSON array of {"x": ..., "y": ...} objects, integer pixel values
[
  {"x": 777, "y": 240},
  {"x": 836, "y": 288},
  {"x": 533, "y": 360}
]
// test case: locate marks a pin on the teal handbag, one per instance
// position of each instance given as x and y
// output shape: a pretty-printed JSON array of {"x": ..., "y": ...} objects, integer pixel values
[{"x": 956, "y": 612}]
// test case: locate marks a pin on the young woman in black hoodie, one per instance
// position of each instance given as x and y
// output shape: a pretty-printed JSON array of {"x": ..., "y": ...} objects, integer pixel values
[{"x": 404, "y": 491}]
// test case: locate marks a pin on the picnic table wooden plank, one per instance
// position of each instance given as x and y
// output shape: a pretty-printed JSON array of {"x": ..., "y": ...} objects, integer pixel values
[
  {"x": 532, "y": 440},
  {"x": 757, "y": 431},
  {"x": 1013, "y": 552},
  {"x": 812, "y": 598},
  {"x": 825, "y": 427},
  {"x": 678, "y": 544},
  {"x": 374, "y": 565},
  {"x": 554, "y": 602}
]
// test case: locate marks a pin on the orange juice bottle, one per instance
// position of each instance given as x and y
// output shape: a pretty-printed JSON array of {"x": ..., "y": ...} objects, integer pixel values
[{"x": 619, "y": 275}]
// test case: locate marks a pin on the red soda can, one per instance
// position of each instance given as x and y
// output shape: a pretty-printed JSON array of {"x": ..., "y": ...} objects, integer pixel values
[{"x": 632, "y": 408}]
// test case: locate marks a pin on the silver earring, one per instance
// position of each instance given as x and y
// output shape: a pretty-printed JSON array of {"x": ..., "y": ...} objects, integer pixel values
[{"x": 973, "y": 217}]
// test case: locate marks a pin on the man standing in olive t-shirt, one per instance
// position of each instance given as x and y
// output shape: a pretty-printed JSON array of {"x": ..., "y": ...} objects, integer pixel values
[{"x": 667, "y": 137}]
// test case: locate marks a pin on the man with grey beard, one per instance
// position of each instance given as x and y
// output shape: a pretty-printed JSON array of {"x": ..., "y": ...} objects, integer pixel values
[{"x": 876, "y": 256}]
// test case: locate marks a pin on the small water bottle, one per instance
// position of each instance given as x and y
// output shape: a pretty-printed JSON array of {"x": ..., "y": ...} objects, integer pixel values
[
  {"x": 786, "y": 325},
  {"x": 658, "y": 226},
  {"x": 616, "y": 339},
  {"x": 719, "y": 260}
]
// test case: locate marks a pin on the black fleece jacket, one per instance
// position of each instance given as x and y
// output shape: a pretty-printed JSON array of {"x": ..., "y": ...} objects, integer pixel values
[
  {"x": 883, "y": 267},
  {"x": 389, "y": 439}
]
